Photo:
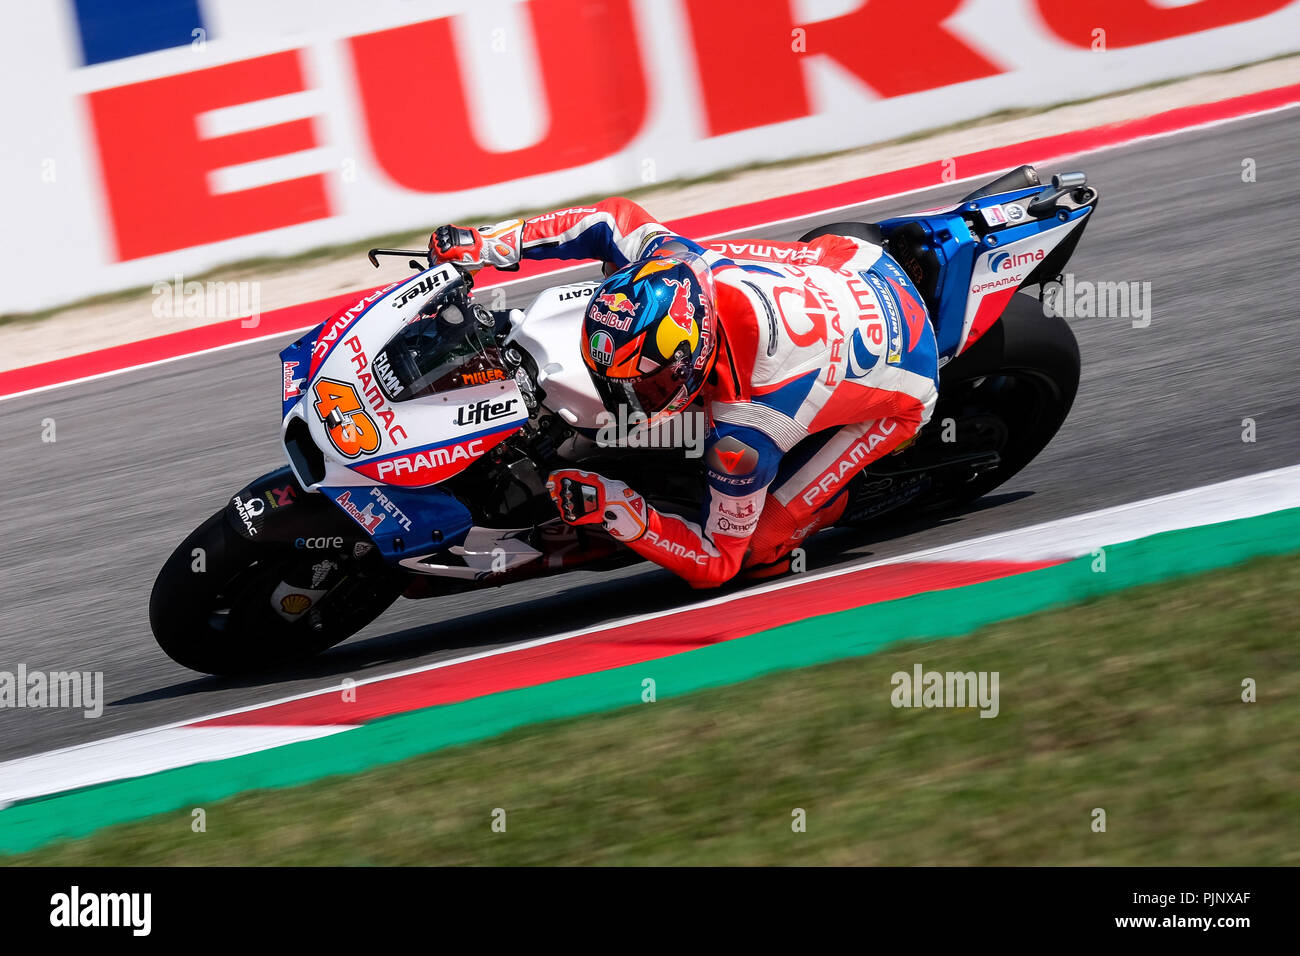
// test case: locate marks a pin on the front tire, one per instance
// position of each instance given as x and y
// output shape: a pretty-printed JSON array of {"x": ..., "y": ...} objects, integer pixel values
[{"x": 211, "y": 607}]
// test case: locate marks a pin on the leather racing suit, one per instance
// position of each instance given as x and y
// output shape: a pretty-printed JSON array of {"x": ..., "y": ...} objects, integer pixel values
[{"x": 826, "y": 361}]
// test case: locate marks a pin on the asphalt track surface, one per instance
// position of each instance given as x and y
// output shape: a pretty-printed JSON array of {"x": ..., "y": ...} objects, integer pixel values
[{"x": 143, "y": 457}]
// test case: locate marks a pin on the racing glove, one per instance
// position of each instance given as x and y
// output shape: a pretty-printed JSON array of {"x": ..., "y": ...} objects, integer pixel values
[
  {"x": 496, "y": 246},
  {"x": 583, "y": 497}
]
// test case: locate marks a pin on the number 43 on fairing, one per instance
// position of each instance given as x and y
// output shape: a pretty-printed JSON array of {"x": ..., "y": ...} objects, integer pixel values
[{"x": 350, "y": 428}]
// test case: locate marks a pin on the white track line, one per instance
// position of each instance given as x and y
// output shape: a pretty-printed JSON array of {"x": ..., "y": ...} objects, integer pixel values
[
  {"x": 135, "y": 755},
  {"x": 179, "y": 744},
  {"x": 1069, "y": 537}
]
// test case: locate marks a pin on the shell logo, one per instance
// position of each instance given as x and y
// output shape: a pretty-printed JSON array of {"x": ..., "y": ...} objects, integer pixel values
[{"x": 294, "y": 603}]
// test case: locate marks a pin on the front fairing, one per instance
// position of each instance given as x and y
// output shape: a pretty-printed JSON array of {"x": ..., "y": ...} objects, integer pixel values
[
  {"x": 404, "y": 523},
  {"x": 295, "y": 360},
  {"x": 377, "y": 459}
]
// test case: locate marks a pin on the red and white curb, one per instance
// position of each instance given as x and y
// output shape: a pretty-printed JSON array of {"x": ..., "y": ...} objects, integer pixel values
[
  {"x": 748, "y": 219},
  {"x": 645, "y": 637}
]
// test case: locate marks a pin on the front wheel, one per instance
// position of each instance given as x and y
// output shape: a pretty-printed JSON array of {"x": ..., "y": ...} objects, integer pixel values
[{"x": 225, "y": 605}]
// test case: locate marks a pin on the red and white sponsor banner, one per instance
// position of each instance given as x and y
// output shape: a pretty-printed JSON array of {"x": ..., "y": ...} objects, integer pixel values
[
  {"x": 137, "y": 147},
  {"x": 754, "y": 218}
]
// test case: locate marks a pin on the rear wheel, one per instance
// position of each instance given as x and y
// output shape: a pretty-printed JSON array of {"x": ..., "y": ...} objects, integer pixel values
[
  {"x": 1000, "y": 403},
  {"x": 867, "y": 231},
  {"x": 225, "y": 605}
]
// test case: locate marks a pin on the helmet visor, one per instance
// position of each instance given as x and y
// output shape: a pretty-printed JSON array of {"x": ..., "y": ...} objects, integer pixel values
[{"x": 662, "y": 392}]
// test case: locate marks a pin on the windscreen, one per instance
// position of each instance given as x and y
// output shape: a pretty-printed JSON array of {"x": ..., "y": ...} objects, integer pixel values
[{"x": 446, "y": 349}]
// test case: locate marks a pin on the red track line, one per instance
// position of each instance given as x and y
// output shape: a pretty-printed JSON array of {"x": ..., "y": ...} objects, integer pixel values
[{"x": 674, "y": 632}]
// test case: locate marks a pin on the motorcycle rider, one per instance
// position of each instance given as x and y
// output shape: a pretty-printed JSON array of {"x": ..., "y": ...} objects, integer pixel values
[{"x": 812, "y": 360}]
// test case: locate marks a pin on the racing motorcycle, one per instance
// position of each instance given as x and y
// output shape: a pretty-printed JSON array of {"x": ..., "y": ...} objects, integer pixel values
[{"x": 419, "y": 428}]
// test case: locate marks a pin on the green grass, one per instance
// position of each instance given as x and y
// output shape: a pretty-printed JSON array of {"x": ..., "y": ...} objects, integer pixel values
[{"x": 1131, "y": 703}]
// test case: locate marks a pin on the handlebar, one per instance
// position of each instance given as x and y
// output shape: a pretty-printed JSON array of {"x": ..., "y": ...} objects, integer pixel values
[
  {"x": 414, "y": 256},
  {"x": 374, "y": 254}
]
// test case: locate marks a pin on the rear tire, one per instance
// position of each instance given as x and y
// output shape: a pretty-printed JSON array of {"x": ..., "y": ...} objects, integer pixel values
[
  {"x": 867, "y": 231},
  {"x": 1007, "y": 396},
  {"x": 216, "y": 616},
  {"x": 1040, "y": 354}
]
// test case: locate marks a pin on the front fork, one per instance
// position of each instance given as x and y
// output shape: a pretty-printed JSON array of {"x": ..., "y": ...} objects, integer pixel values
[{"x": 275, "y": 510}]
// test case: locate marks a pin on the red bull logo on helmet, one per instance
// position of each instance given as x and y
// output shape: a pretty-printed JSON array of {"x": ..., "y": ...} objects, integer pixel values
[
  {"x": 681, "y": 310},
  {"x": 618, "y": 302},
  {"x": 678, "y": 325},
  {"x": 607, "y": 304}
]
